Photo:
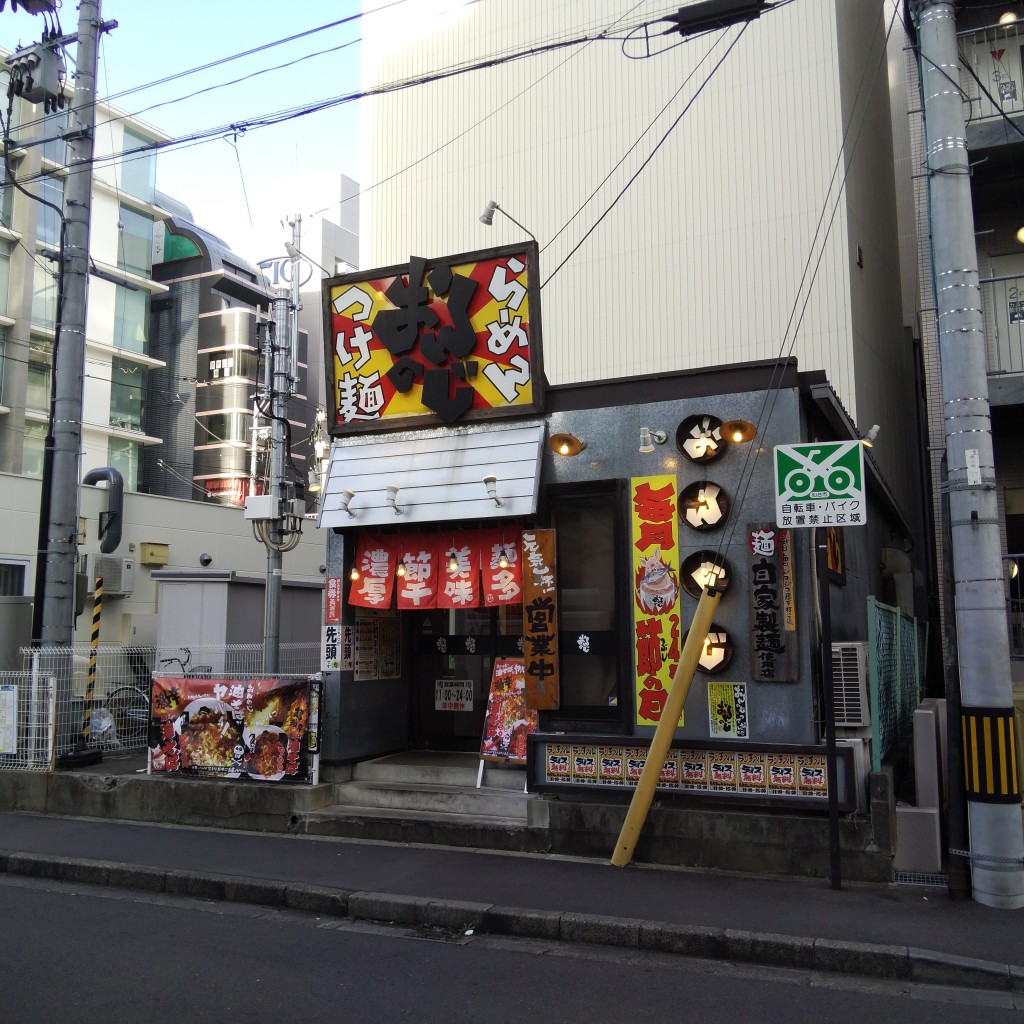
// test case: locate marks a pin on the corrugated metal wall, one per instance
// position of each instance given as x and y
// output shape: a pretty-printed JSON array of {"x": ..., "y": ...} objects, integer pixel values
[{"x": 717, "y": 252}]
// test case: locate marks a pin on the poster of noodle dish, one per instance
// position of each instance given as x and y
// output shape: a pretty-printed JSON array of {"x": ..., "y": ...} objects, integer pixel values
[{"x": 262, "y": 729}]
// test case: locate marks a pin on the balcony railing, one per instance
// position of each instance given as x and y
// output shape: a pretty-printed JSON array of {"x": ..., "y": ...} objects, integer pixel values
[{"x": 993, "y": 77}]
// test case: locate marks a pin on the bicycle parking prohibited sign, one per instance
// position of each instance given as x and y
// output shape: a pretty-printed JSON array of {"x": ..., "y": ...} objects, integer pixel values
[{"x": 820, "y": 484}]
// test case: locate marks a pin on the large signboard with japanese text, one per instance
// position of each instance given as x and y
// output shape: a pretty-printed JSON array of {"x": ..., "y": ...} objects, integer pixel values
[
  {"x": 655, "y": 559},
  {"x": 434, "y": 341},
  {"x": 774, "y": 653},
  {"x": 235, "y": 728}
]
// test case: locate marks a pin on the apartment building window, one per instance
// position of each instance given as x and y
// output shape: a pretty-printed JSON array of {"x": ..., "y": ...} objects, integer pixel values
[
  {"x": 13, "y": 574},
  {"x": 127, "y": 385},
  {"x": 37, "y": 395},
  {"x": 32, "y": 454},
  {"x": 131, "y": 319},
  {"x": 135, "y": 245},
  {"x": 5, "y": 274},
  {"x": 48, "y": 225},
  {"x": 223, "y": 426},
  {"x": 138, "y": 170},
  {"x": 124, "y": 457},
  {"x": 44, "y": 297}
]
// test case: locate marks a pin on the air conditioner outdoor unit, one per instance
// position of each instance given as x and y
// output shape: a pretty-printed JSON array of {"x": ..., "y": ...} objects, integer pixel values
[
  {"x": 861, "y": 768},
  {"x": 851, "y": 698},
  {"x": 118, "y": 574}
]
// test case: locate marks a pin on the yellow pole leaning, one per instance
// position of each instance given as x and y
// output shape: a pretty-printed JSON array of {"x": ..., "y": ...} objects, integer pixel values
[{"x": 678, "y": 690}]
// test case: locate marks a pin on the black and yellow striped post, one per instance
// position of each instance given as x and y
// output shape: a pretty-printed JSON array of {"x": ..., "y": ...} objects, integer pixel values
[
  {"x": 94, "y": 643},
  {"x": 82, "y": 754},
  {"x": 990, "y": 756}
]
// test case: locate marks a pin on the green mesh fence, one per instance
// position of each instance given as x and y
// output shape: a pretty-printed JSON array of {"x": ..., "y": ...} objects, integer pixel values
[{"x": 896, "y": 667}]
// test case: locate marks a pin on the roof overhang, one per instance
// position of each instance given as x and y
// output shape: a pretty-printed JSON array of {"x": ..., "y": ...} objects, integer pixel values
[{"x": 439, "y": 475}]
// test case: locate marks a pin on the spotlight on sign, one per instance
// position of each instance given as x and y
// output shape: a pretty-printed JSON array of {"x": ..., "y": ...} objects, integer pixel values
[
  {"x": 392, "y": 498},
  {"x": 649, "y": 438},
  {"x": 346, "y": 497}
]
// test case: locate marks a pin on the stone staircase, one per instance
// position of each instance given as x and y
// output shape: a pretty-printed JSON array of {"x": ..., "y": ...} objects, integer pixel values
[{"x": 429, "y": 797}]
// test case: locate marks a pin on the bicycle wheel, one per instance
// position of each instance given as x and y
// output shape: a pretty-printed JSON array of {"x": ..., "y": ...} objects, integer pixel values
[{"x": 130, "y": 709}]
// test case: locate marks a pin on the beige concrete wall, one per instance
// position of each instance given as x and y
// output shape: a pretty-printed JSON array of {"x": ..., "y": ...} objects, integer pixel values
[{"x": 189, "y": 528}]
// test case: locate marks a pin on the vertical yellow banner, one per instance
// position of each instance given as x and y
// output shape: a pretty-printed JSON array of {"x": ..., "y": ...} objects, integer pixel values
[{"x": 655, "y": 558}]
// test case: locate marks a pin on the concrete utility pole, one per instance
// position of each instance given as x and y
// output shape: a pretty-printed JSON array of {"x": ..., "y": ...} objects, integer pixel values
[
  {"x": 61, "y": 469},
  {"x": 280, "y": 389},
  {"x": 993, "y": 801}
]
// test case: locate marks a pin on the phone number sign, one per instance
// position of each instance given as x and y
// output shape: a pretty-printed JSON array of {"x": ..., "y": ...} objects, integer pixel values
[{"x": 820, "y": 484}]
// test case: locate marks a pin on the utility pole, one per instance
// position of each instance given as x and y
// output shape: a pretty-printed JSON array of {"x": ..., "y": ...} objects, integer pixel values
[
  {"x": 996, "y": 851},
  {"x": 280, "y": 389},
  {"x": 58, "y": 548}
]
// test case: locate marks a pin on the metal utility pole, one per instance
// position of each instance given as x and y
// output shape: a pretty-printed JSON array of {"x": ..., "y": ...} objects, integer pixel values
[
  {"x": 996, "y": 851},
  {"x": 58, "y": 548}
]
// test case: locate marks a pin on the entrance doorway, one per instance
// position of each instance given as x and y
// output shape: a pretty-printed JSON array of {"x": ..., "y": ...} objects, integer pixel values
[{"x": 450, "y": 672}]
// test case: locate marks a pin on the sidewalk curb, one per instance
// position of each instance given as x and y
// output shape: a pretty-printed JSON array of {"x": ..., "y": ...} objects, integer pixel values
[{"x": 893, "y": 963}]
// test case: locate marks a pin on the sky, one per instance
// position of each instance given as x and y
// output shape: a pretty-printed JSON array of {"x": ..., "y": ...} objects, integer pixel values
[{"x": 240, "y": 187}]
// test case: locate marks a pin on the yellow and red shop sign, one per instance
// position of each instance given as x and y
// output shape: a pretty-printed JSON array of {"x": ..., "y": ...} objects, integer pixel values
[
  {"x": 441, "y": 340},
  {"x": 470, "y": 569},
  {"x": 655, "y": 550}
]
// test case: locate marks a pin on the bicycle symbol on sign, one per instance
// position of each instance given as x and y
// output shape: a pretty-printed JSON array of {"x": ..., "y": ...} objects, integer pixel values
[{"x": 819, "y": 472}]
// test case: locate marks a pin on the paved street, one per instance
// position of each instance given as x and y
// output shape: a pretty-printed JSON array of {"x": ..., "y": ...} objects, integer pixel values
[{"x": 80, "y": 954}]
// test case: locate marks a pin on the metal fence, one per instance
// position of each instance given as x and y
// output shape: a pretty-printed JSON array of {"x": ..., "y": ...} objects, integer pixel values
[
  {"x": 897, "y": 652},
  {"x": 50, "y": 707}
]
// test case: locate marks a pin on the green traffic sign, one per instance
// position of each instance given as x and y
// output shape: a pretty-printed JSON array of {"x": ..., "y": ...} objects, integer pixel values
[{"x": 820, "y": 484}]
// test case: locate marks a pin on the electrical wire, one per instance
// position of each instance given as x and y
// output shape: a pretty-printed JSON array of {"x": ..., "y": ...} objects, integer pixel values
[{"x": 647, "y": 159}]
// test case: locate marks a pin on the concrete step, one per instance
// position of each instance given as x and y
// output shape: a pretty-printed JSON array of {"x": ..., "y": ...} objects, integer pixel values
[
  {"x": 394, "y": 825},
  {"x": 428, "y": 768},
  {"x": 434, "y": 797}
]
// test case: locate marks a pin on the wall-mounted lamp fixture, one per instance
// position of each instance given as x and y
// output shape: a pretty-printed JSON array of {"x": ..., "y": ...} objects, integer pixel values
[
  {"x": 1008, "y": 18},
  {"x": 1012, "y": 566},
  {"x": 205, "y": 559},
  {"x": 1020, "y": 235},
  {"x": 346, "y": 497},
  {"x": 868, "y": 439},
  {"x": 314, "y": 481},
  {"x": 392, "y": 499},
  {"x": 487, "y": 217},
  {"x": 566, "y": 444},
  {"x": 738, "y": 431},
  {"x": 649, "y": 438},
  {"x": 491, "y": 483}
]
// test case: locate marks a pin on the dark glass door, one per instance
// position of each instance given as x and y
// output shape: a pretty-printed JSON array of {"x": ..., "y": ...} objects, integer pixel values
[{"x": 454, "y": 652}]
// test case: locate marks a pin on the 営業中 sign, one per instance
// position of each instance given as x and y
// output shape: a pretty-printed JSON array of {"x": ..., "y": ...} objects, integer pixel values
[{"x": 820, "y": 484}]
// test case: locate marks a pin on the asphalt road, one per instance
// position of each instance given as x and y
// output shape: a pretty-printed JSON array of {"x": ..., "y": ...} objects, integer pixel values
[{"x": 72, "y": 954}]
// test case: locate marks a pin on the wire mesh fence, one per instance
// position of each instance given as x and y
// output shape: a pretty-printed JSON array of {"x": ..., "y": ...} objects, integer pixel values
[
  {"x": 896, "y": 667},
  {"x": 77, "y": 697},
  {"x": 27, "y": 713}
]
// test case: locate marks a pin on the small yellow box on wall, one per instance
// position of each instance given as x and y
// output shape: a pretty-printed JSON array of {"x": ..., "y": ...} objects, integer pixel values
[{"x": 154, "y": 554}]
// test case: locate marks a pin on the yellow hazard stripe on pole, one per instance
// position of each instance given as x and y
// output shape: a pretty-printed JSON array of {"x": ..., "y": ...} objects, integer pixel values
[
  {"x": 94, "y": 642},
  {"x": 990, "y": 755}
]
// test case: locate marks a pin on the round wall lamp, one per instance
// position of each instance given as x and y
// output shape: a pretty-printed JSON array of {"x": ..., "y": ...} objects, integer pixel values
[
  {"x": 205, "y": 559},
  {"x": 566, "y": 444},
  {"x": 738, "y": 431}
]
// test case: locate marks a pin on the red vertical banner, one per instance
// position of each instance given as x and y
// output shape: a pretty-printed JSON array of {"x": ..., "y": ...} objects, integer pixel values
[
  {"x": 655, "y": 593},
  {"x": 459, "y": 572},
  {"x": 501, "y": 568},
  {"x": 540, "y": 619},
  {"x": 419, "y": 555},
  {"x": 375, "y": 562}
]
